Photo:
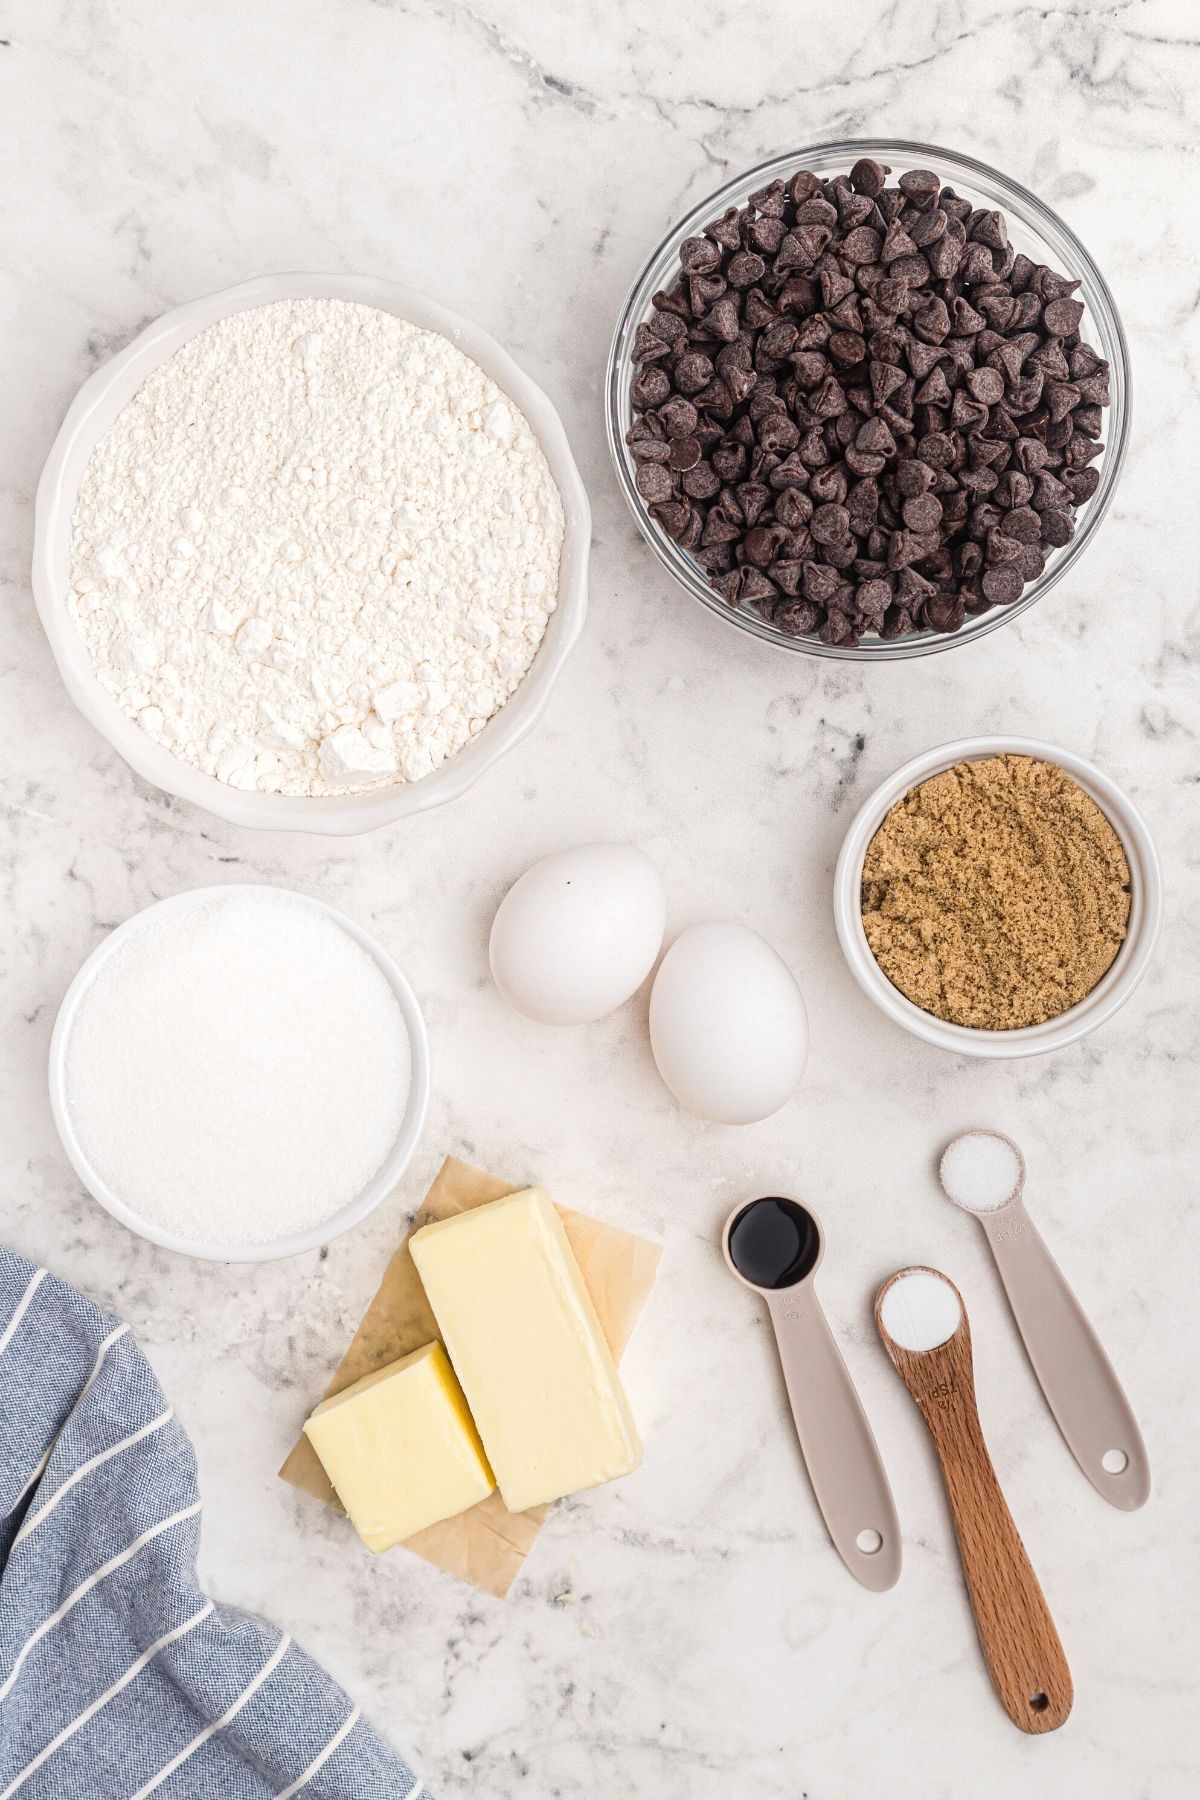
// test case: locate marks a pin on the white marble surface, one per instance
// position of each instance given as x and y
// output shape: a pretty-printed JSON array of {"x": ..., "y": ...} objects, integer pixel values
[{"x": 688, "y": 1633}]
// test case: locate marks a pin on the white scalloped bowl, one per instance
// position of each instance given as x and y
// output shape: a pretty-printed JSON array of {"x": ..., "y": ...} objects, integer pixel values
[{"x": 93, "y": 411}]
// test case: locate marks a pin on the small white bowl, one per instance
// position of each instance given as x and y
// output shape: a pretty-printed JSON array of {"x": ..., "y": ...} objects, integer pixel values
[
  {"x": 93, "y": 411},
  {"x": 1113, "y": 989},
  {"x": 269, "y": 1250}
]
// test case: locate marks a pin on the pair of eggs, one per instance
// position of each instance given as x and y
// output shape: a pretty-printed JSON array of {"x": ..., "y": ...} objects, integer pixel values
[{"x": 577, "y": 935}]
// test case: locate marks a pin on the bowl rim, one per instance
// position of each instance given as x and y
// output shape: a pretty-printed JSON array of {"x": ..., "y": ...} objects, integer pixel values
[
  {"x": 1115, "y": 985},
  {"x": 381, "y": 1183},
  {"x": 1102, "y": 306},
  {"x": 113, "y": 385}
]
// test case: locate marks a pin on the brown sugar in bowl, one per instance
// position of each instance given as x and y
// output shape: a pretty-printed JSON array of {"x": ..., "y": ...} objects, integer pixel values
[{"x": 1101, "y": 899}]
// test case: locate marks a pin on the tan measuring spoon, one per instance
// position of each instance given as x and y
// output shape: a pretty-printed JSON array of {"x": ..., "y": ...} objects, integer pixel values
[
  {"x": 923, "y": 1324},
  {"x": 983, "y": 1172},
  {"x": 775, "y": 1247}
]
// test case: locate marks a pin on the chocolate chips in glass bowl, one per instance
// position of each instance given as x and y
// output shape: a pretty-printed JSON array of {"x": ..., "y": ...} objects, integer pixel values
[{"x": 860, "y": 411}]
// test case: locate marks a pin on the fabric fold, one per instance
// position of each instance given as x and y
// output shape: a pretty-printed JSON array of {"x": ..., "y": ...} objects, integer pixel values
[{"x": 119, "y": 1679}]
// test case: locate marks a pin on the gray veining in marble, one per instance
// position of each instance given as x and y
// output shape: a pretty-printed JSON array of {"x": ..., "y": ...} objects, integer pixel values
[{"x": 687, "y": 1634}]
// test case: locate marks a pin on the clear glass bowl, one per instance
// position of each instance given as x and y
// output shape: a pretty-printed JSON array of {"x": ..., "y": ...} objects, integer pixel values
[{"x": 1032, "y": 228}]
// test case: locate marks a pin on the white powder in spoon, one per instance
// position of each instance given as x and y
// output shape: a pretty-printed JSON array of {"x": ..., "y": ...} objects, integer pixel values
[
  {"x": 238, "y": 1069},
  {"x": 981, "y": 1171},
  {"x": 920, "y": 1310}
]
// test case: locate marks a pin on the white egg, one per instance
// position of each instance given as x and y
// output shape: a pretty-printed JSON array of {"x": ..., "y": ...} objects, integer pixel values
[
  {"x": 727, "y": 1024},
  {"x": 578, "y": 933}
]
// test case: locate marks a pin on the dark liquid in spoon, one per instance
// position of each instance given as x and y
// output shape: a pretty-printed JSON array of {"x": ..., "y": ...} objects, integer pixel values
[{"x": 774, "y": 1243}]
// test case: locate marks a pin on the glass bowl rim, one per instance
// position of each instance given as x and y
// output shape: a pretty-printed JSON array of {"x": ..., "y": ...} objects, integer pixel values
[{"x": 1032, "y": 212}]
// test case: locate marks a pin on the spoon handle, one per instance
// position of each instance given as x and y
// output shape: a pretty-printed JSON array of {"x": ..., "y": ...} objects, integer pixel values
[
  {"x": 839, "y": 1448},
  {"x": 1022, "y": 1649},
  {"x": 1020, "y": 1645},
  {"x": 1079, "y": 1382}
]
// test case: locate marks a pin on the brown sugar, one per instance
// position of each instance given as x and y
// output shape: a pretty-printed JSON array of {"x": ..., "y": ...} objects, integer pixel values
[{"x": 996, "y": 894}]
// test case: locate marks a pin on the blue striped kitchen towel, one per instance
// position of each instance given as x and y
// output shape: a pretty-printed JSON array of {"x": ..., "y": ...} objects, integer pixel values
[{"x": 118, "y": 1678}]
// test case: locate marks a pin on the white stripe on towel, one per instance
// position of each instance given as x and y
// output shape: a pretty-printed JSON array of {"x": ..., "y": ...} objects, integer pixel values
[
  {"x": 84, "y": 1391},
  {"x": 89, "y": 1712},
  {"x": 318, "y": 1762},
  {"x": 118, "y": 1331},
  {"x": 86, "y": 1587},
  {"x": 35, "y": 1281},
  {"x": 202, "y": 1737},
  {"x": 135, "y": 1437}
]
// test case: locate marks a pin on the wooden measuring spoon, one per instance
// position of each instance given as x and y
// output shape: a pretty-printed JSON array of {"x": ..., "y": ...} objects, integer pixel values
[
  {"x": 924, "y": 1327},
  {"x": 774, "y": 1246}
]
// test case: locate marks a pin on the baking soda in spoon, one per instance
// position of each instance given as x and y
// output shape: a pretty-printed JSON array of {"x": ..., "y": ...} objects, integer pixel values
[
  {"x": 984, "y": 1173},
  {"x": 238, "y": 1068},
  {"x": 923, "y": 1325}
]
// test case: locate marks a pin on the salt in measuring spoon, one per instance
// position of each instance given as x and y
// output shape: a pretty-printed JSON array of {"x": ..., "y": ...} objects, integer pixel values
[
  {"x": 923, "y": 1324},
  {"x": 983, "y": 1172},
  {"x": 775, "y": 1246}
]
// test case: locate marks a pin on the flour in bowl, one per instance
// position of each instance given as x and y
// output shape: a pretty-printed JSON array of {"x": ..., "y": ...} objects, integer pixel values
[{"x": 317, "y": 551}]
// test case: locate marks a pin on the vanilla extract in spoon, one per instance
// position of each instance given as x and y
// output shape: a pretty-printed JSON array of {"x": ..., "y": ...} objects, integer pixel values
[{"x": 774, "y": 1246}]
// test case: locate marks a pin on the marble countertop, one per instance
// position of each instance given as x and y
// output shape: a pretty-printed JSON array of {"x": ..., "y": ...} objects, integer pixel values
[{"x": 688, "y": 1633}]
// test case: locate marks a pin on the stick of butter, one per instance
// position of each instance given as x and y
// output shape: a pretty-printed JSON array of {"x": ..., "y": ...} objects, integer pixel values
[
  {"x": 400, "y": 1448},
  {"x": 526, "y": 1344}
]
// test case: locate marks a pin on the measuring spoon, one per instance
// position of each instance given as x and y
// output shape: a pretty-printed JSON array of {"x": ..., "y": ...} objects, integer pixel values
[
  {"x": 774, "y": 1246},
  {"x": 923, "y": 1324},
  {"x": 983, "y": 1172}
]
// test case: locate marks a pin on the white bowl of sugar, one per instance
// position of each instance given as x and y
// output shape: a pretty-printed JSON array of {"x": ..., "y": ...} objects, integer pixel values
[{"x": 239, "y": 1073}]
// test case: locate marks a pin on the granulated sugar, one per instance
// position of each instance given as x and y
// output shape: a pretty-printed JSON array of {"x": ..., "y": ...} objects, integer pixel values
[{"x": 238, "y": 1069}]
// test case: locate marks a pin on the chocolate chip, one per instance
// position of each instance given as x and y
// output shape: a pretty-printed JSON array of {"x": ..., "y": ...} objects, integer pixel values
[
  {"x": 944, "y": 612},
  {"x": 986, "y": 385},
  {"x": 693, "y": 372},
  {"x": 1081, "y": 484},
  {"x": 830, "y": 524},
  {"x": 868, "y": 177},
  {"x": 702, "y": 482},
  {"x": 650, "y": 450},
  {"x": 653, "y": 483},
  {"x": 1062, "y": 317},
  {"x": 847, "y": 347},
  {"x": 1002, "y": 585},
  {"x": 923, "y": 512},
  {"x": 797, "y": 618},
  {"x": 1023, "y": 524},
  {"x": 758, "y": 546},
  {"x": 827, "y": 485},
  {"x": 699, "y": 256},
  {"x": 912, "y": 477},
  {"x": 862, "y": 245},
  {"x": 755, "y": 586},
  {"x": 1057, "y": 527},
  {"x": 678, "y": 418},
  {"x": 860, "y": 410},
  {"x": 685, "y": 453},
  {"x": 989, "y": 229},
  {"x": 873, "y": 599}
]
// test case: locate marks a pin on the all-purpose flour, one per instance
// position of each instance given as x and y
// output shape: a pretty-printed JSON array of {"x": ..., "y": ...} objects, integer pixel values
[
  {"x": 238, "y": 1068},
  {"x": 317, "y": 550}
]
